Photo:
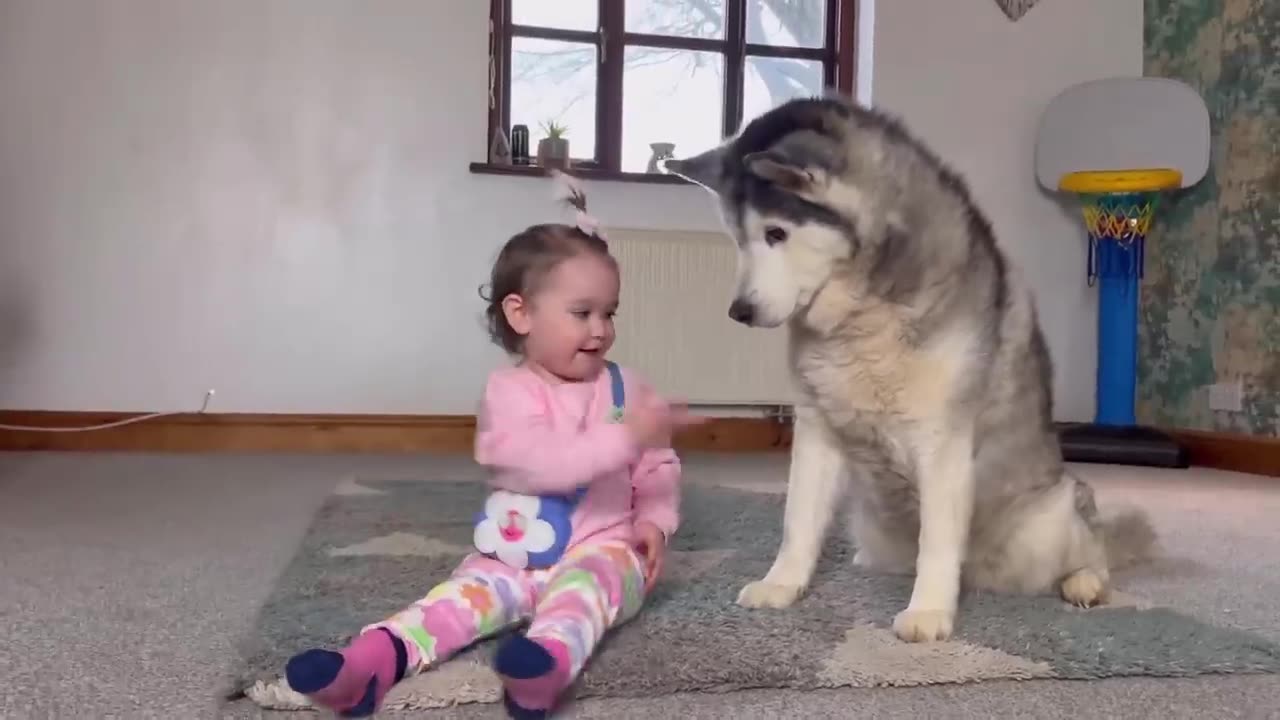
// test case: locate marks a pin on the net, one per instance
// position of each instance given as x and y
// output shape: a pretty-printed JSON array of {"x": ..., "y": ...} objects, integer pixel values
[
  {"x": 1119, "y": 208},
  {"x": 1121, "y": 218}
]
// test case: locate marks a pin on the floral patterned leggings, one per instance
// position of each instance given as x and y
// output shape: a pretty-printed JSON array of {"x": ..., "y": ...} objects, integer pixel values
[{"x": 593, "y": 588}]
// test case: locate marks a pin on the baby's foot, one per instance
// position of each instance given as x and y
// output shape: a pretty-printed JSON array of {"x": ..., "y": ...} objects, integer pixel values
[
  {"x": 533, "y": 673},
  {"x": 354, "y": 681}
]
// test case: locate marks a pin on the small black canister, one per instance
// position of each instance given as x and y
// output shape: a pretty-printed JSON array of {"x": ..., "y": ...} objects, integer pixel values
[{"x": 520, "y": 144}]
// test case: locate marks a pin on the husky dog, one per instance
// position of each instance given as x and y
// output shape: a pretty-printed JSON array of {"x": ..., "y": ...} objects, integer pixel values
[{"x": 923, "y": 376}]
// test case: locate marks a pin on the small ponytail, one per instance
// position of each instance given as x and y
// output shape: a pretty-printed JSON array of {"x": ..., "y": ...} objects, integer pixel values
[{"x": 569, "y": 191}]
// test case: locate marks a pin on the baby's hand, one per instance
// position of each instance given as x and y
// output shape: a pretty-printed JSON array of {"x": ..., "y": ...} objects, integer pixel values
[
  {"x": 652, "y": 546},
  {"x": 652, "y": 421}
]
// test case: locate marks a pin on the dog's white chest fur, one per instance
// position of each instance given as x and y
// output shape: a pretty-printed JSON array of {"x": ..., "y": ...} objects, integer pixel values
[{"x": 872, "y": 367}]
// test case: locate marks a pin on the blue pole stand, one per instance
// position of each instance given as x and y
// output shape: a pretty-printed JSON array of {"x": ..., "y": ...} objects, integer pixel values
[
  {"x": 1117, "y": 224},
  {"x": 1117, "y": 266}
]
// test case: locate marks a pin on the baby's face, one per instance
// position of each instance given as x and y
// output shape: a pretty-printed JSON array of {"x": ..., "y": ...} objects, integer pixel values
[{"x": 571, "y": 318}]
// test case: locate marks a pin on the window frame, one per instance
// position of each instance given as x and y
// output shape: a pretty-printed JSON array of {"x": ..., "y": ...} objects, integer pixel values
[{"x": 838, "y": 57}]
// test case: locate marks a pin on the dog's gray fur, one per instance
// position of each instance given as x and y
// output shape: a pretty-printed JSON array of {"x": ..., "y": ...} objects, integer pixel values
[{"x": 923, "y": 373}]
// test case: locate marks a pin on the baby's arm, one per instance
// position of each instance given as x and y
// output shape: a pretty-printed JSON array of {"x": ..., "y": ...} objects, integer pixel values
[
  {"x": 515, "y": 437},
  {"x": 656, "y": 480},
  {"x": 656, "y": 496}
]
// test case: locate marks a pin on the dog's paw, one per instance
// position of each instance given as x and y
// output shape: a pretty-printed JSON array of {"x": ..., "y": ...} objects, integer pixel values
[
  {"x": 1084, "y": 588},
  {"x": 924, "y": 625},
  {"x": 764, "y": 594}
]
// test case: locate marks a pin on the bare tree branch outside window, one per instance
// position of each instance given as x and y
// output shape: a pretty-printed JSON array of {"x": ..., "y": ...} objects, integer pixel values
[
  {"x": 801, "y": 20},
  {"x": 667, "y": 75}
]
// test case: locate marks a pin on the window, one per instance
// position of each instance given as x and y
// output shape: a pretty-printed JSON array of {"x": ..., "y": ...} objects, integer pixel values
[{"x": 621, "y": 75}]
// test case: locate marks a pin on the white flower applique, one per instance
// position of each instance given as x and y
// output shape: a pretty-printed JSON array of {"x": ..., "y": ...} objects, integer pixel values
[{"x": 511, "y": 529}]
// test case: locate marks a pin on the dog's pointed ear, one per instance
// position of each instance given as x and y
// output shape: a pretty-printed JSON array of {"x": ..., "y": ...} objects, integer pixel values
[
  {"x": 705, "y": 169},
  {"x": 775, "y": 168}
]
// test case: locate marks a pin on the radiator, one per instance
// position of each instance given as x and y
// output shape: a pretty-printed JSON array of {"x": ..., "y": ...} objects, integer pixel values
[{"x": 673, "y": 324}]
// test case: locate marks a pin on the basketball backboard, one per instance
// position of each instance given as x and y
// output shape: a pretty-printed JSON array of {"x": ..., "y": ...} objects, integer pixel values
[{"x": 1124, "y": 123}]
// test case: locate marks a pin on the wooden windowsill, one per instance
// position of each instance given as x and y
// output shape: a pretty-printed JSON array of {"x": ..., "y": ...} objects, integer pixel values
[{"x": 586, "y": 173}]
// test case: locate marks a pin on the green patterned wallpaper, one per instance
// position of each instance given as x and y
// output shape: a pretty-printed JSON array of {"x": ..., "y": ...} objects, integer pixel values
[{"x": 1212, "y": 286}]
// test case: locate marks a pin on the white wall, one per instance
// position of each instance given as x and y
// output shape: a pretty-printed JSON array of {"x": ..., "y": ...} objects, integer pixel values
[
  {"x": 272, "y": 198},
  {"x": 974, "y": 84}
]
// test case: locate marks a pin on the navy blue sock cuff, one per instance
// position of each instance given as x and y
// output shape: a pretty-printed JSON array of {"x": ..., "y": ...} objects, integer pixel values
[{"x": 402, "y": 654}]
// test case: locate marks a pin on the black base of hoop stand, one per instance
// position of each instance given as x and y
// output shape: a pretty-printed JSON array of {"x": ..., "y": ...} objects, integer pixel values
[{"x": 1121, "y": 445}]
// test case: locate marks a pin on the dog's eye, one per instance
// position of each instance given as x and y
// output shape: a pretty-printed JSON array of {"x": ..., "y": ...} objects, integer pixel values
[{"x": 774, "y": 235}]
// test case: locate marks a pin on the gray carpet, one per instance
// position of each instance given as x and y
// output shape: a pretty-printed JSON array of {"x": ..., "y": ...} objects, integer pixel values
[
  {"x": 127, "y": 580},
  {"x": 377, "y": 545}
]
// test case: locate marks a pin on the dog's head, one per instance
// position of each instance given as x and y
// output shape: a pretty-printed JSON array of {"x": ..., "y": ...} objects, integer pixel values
[{"x": 803, "y": 189}]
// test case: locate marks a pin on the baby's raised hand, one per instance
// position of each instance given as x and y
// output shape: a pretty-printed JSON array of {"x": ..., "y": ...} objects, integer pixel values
[{"x": 652, "y": 421}]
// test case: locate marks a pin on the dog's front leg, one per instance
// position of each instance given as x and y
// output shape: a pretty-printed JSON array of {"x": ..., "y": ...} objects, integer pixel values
[
  {"x": 946, "y": 486},
  {"x": 814, "y": 483}
]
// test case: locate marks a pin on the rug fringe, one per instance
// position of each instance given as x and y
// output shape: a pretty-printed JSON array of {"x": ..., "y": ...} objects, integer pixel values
[
  {"x": 277, "y": 695},
  {"x": 456, "y": 683}
]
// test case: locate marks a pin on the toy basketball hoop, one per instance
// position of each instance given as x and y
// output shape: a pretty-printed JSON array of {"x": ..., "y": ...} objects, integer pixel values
[
  {"x": 1119, "y": 145},
  {"x": 1119, "y": 207}
]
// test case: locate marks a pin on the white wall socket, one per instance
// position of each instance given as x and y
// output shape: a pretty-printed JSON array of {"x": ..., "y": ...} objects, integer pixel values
[{"x": 1226, "y": 396}]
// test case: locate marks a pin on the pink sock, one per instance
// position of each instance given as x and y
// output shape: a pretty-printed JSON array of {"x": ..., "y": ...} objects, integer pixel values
[
  {"x": 355, "y": 680},
  {"x": 534, "y": 672}
]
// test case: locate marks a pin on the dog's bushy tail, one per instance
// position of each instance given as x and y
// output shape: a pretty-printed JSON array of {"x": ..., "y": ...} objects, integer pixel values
[{"x": 1129, "y": 538}]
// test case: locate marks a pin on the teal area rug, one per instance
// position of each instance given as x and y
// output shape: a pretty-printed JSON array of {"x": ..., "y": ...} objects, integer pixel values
[{"x": 377, "y": 546}]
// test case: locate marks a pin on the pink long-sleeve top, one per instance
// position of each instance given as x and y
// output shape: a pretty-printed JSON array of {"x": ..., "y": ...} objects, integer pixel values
[{"x": 543, "y": 438}]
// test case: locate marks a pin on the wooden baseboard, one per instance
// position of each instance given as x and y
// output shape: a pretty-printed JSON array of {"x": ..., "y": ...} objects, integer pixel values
[
  {"x": 1228, "y": 451},
  {"x": 227, "y": 432}
]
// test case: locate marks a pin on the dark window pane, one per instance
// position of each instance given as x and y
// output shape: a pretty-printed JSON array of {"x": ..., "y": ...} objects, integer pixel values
[
  {"x": 792, "y": 23},
  {"x": 769, "y": 82},
  {"x": 679, "y": 18},
  {"x": 673, "y": 96},
  {"x": 562, "y": 14},
  {"x": 553, "y": 81}
]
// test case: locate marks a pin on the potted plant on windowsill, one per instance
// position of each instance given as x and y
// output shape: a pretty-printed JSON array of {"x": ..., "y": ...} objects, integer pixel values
[{"x": 553, "y": 150}]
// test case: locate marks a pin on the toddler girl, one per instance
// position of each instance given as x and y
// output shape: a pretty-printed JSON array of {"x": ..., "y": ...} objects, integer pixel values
[{"x": 553, "y": 432}]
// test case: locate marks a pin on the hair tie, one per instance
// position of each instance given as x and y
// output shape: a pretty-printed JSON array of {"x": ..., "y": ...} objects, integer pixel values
[{"x": 588, "y": 224}]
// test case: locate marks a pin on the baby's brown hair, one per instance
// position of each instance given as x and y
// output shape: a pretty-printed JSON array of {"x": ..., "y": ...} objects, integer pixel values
[{"x": 528, "y": 257}]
